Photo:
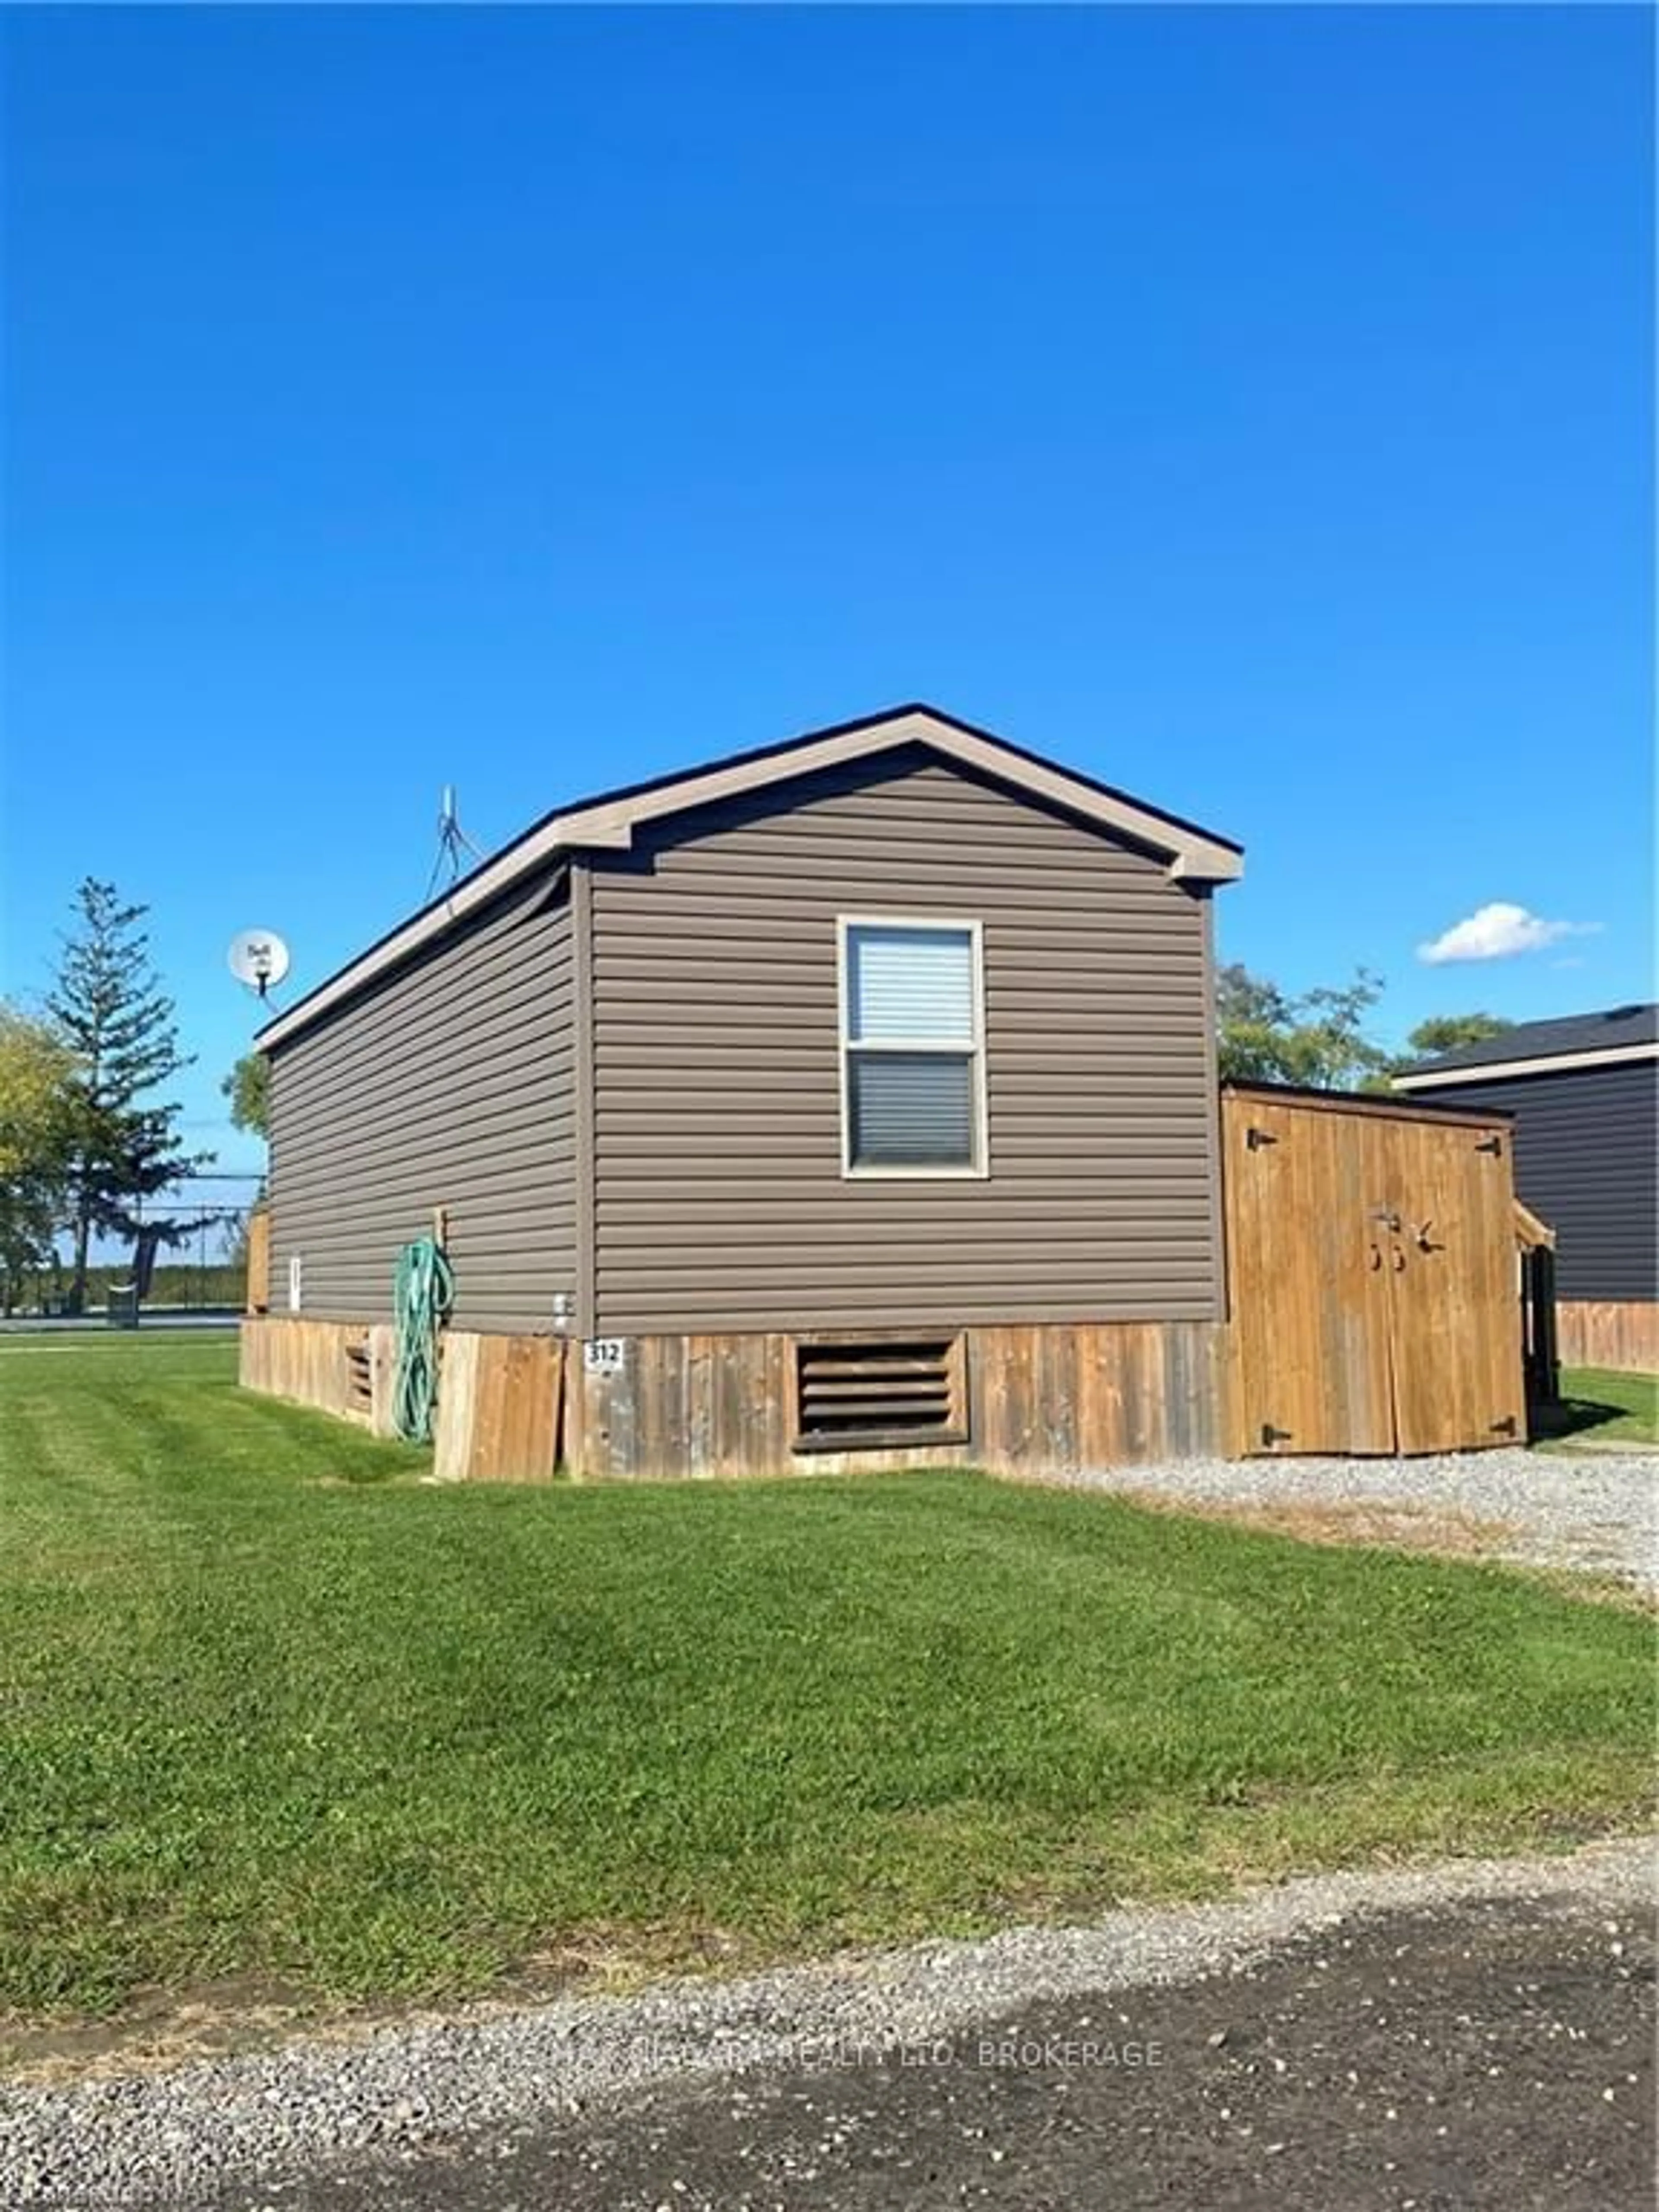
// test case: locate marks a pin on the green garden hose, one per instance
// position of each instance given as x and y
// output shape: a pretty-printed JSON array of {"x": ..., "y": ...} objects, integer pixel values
[{"x": 422, "y": 1298}]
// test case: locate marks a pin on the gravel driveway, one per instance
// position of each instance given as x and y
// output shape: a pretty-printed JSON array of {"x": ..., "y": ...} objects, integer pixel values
[
  {"x": 1594, "y": 1511},
  {"x": 1495, "y": 2056},
  {"x": 1472, "y": 2035}
]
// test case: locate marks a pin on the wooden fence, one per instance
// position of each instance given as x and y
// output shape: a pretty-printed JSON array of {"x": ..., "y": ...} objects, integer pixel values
[{"x": 1621, "y": 1335}]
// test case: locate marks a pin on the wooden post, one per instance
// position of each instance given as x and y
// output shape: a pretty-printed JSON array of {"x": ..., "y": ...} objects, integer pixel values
[
  {"x": 259, "y": 1259},
  {"x": 1543, "y": 1354}
]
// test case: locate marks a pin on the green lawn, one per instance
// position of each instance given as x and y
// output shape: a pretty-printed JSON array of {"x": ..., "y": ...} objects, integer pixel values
[
  {"x": 1605, "y": 1407},
  {"x": 271, "y": 1708}
]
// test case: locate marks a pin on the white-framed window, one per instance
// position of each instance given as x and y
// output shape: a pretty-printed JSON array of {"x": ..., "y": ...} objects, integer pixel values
[{"x": 912, "y": 1047}]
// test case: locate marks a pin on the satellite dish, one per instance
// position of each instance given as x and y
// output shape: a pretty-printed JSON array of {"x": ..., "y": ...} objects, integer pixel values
[{"x": 259, "y": 958}]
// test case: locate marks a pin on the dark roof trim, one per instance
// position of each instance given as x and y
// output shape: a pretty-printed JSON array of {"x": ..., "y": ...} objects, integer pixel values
[
  {"x": 1512, "y": 1071},
  {"x": 1367, "y": 1102},
  {"x": 609, "y": 823},
  {"x": 1584, "y": 1040},
  {"x": 762, "y": 755}
]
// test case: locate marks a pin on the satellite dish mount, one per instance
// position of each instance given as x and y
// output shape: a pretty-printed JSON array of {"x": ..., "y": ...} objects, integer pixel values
[
  {"x": 259, "y": 958},
  {"x": 453, "y": 843}
]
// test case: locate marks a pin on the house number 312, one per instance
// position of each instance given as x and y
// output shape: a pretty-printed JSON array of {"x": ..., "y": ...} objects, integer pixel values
[{"x": 604, "y": 1355}]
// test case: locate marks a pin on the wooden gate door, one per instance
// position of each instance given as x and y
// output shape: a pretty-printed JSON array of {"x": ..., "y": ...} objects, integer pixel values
[
  {"x": 1373, "y": 1296},
  {"x": 1448, "y": 1212},
  {"x": 1309, "y": 1337}
]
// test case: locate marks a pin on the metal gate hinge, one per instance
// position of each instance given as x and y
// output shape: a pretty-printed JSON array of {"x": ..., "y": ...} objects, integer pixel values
[
  {"x": 1493, "y": 1145},
  {"x": 1254, "y": 1140}
]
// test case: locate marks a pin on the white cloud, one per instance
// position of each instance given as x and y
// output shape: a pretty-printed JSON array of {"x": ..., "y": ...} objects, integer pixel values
[{"x": 1498, "y": 932}]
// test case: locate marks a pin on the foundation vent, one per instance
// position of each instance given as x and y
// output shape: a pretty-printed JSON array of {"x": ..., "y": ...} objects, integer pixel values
[
  {"x": 877, "y": 1394},
  {"x": 360, "y": 1381}
]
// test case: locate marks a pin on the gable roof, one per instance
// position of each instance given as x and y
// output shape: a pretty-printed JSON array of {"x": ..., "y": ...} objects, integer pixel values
[
  {"x": 1598, "y": 1040},
  {"x": 609, "y": 823}
]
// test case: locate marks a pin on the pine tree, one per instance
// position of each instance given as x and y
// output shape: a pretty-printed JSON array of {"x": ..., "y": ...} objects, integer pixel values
[{"x": 109, "y": 1006}]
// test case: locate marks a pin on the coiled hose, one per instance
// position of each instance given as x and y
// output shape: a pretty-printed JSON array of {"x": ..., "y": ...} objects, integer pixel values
[{"x": 422, "y": 1297}]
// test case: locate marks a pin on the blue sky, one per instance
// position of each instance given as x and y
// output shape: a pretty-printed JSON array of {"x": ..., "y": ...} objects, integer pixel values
[{"x": 1251, "y": 408}]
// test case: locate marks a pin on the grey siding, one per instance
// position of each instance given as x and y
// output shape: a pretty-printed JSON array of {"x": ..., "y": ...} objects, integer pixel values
[
  {"x": 450, "y": 1082},
  {"x": 1586, "y": 1160},
  {"x": 720, "y": 1203}
]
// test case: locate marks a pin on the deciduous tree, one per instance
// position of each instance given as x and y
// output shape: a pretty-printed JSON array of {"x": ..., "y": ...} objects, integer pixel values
[
  {"x": 36, "y": 1067},
  {"x": 1315, "y": 1040},
  {"x": 1447, "y": 1032},
  {"x": 248, "y": 1088}
]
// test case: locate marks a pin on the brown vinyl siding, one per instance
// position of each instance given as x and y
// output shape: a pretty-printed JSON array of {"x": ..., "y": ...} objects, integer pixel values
[
  {"x": 719, "y": 1199},
  {"x": 448, "y": 1083}
]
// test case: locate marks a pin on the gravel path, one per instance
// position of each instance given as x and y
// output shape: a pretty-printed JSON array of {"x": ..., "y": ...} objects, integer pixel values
[
  {"x": 1594, "y": 1511},
  {"x": 1494, "y": 2055},
  {"x": 183, "y": 2136}
]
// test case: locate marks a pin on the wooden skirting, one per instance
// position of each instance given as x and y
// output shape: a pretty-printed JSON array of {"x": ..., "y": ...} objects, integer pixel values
[
  {"x": 1046, "y": 1402},
  {"x": 339, "y": 1367},
  {"x": 499, "y": 1408},
  {"x": 1623, "y": 1335}
]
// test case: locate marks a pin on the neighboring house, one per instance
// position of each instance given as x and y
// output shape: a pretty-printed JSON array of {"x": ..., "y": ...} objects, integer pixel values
[
  {"x": 895, "y": 1028},
  {"x": 1585, "y": 1091}
]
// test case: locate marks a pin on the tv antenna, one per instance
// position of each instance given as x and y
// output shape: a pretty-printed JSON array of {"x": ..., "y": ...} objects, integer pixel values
[
  {"x": 259, "y": 958},
  {"x": 453, "y": 843}
]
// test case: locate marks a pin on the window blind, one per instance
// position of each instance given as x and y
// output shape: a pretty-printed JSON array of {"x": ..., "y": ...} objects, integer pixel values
[
  {"x": 909, "y": 985},
  {"x": 911, "y": 1109}
]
